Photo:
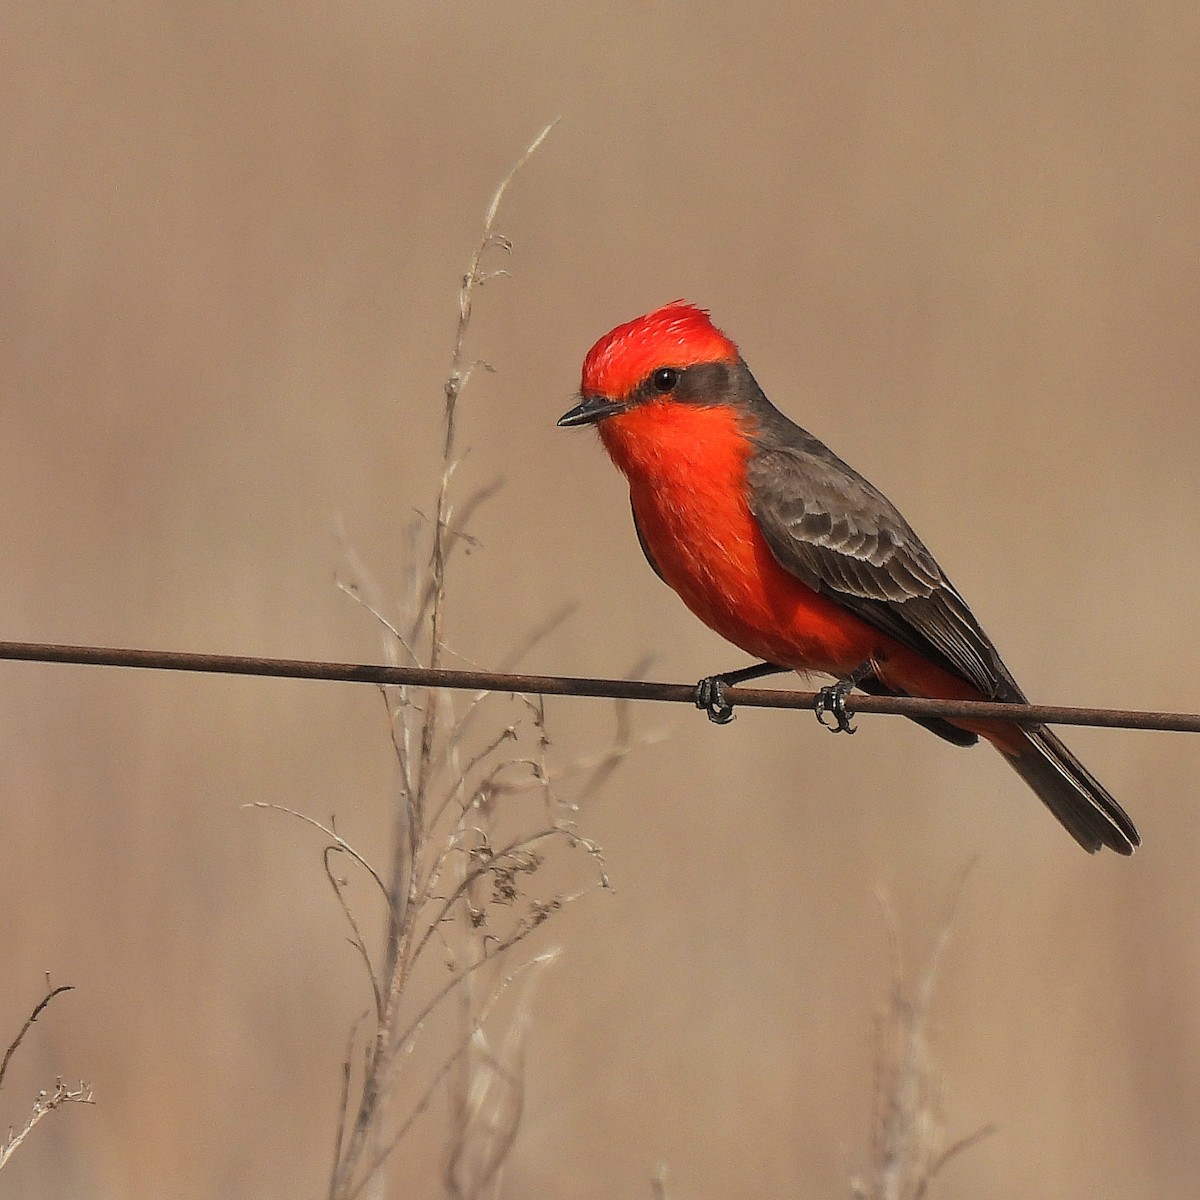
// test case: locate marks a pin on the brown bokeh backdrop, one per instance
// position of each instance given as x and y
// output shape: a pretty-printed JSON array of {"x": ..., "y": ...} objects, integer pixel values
[{"x": 959, "y": 242}]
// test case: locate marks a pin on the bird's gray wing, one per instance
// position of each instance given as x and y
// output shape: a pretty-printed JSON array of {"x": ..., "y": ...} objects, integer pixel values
[{"x": 834, "y": 531}]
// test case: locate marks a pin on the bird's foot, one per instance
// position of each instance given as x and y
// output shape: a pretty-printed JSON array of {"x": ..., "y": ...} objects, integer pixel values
[
  {"x": 710, "y": 698},
  {"x": 710, "y": 691},
  {"x": 831, "y": 699}
]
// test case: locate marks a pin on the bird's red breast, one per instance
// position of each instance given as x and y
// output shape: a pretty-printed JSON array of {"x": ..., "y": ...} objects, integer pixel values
[{"x": 686, "y": 467}]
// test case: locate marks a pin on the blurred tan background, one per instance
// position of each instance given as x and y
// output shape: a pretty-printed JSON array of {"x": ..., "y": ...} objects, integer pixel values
[{"x": 961, "y": 243}]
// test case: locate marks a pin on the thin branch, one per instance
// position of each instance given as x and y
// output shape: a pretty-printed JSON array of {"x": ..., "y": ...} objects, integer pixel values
[
  {"x": 501, "y": 946},
  {"x": 907, "y": 1134},
  {"x": 462, "y": 774},
  {"x": 952, "y": 1151},
  {"x": 434, "y": 820},
  {"x": 38, "y": 1009},
  {"x": 506, "y": 857},
  {"x": 46, "y": 1102},
  {"x": 356, "y": 939},
  {"x": 507, "y": 663},
  {"x": 427, "y": 1096},
  {"x": 453, "y": 526},
  {"x": 344, "y": 1101},
  {"x": 658, "y": 1182},
  {"x": 352, "y": 590},
  {"x": 329, "y": 832}
]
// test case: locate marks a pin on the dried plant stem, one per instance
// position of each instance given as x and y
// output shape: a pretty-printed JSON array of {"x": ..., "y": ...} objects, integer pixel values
[
  {"x": 908, "y": 1147},
  {"x": 38, "y": 1009},
  {"x": 460, "y": 880},
  {"x": 46, "y": 1101}
]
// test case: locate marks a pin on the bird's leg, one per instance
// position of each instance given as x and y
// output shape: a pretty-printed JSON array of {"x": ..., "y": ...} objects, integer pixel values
[
  {"x": 832, "y": 699},
  {"x": 710, "y": 691}
]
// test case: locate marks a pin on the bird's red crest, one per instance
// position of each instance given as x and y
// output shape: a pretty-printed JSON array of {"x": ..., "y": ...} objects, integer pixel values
[{"x": 676, "y": 335}]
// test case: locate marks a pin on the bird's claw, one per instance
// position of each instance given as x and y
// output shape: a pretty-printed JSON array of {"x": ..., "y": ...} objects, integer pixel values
[
  {"x": 710, "y": 697},
  {"x": 832, "y": 700}
]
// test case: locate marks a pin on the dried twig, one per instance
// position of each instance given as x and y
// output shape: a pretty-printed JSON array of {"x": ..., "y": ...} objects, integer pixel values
[
  {"x": 658, "y": 1182},
  {"x": 463, "y": 872},
  {"x": 38, "y": 1009},
  {"x": 45, "y": 1102},
  {"x": 908, "y": 1147}
]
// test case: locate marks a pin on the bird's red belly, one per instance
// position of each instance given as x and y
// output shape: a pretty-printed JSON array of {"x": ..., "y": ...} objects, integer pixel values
[
  {"x": 686, "y": 467},
  {"x": 709, "y": 549}
]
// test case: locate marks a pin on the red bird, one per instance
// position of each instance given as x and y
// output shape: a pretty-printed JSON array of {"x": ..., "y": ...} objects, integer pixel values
[{"x": 780, "y": 547}]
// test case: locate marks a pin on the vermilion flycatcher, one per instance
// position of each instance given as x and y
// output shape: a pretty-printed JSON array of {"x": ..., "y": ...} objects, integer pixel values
[{"x": 780, "y": 547}]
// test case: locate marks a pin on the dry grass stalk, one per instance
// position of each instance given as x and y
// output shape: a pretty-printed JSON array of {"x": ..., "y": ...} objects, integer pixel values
[
  {"x": 45, "y": 1102},
  {"x": 658, "y": 1182},
  {"x": 908, "y": 1138},
  {"x": 479, "y": 824}
]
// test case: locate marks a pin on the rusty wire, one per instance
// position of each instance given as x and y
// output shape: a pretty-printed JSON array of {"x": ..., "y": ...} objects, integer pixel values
[{"x": 561, "y": 685}]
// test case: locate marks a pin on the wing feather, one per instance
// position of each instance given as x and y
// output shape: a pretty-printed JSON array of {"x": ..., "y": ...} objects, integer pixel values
[{"x": 836, "y": 532}]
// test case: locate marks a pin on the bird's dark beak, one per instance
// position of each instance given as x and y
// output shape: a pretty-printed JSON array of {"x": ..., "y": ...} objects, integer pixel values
[{"x": 589, "y": 410}]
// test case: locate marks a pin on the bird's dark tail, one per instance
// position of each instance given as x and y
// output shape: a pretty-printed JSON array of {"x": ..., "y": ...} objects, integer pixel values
[
  {"x": 954, "y": 734},
  {"x": 1069, "y": 790}
]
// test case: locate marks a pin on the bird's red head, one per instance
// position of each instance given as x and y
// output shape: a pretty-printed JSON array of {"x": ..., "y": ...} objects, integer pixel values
[
  {"x": 663, "y": 387},
  {"x": 677, "y": 335}
]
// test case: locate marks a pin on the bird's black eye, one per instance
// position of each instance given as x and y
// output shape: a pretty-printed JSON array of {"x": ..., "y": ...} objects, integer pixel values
[{"x": 664, "y": 379}]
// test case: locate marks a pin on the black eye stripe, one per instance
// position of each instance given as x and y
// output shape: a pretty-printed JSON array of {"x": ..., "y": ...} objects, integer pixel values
[{"x": 700, "y": 383}]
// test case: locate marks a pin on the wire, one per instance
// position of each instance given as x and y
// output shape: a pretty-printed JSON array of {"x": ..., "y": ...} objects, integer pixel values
[{"x": 563, "y": 685}]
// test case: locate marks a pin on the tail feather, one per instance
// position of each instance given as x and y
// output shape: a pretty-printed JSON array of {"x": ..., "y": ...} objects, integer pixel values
[
  {"x": 954, "y": 734},
  {"x": 1069, "y": 790}
]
